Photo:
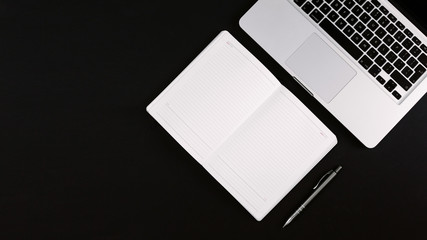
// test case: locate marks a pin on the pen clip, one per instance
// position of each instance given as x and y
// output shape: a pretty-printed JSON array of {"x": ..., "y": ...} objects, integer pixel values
[{"x": 326, "y": 174}]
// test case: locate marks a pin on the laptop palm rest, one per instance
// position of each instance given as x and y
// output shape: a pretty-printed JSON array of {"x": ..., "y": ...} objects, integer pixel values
[{"x": 320, "y": 68}]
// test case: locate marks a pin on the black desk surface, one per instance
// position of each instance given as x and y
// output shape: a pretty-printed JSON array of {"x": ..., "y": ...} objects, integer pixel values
[{"x": 81, "y": 159}]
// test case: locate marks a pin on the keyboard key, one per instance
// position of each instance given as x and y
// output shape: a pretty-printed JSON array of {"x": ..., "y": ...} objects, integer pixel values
[
  {"x": 349, "y": 3},
  {"x": 384, "y": 10},
  {"x": 400, "y": 25},
  {"x": 372, "y": 53},
  {"x": 399, "y": 64},
  {"x": 299, "y": 2},
  {"x": 380, "y": 79},
  {"x": 372, "y": 25},
  {"x": 344, "y": 12},
  {"x": 383, "y": 49},
  {"x": 336, "y": 5},
  {"x": 380, "y": 60},
  {"x": 407, "y": 71},
  {"x": 399, "y": 36},
  {"x": 341, "y": 39},
  {"x": 396, "y": 47},
  {"x": 366, "y": 62},
  {"x": 391, "y": 29},
  {"x": 325, "y": 8},
  {"x": 367, "y": 34},
  {"x": 392, "y": 17},
  {"x": 340, "y": 23},
  {"x": 407, "y": 43},
  {"x": 388, "y": 40},
  {"x": 408, "y": 33},
  {"x": 333, "y": 16},
  {"x": 368, "y": 6},
  {"x": 364, "y": 45},
  {"x": 424, "y": 48},
  {"x": 375, "y": 41},
  {"x": 388, "y": 68},
  {"x": 316, "y": 15},
  {"x": 352, "y": 19},
  {"x": 415, "y": 51},
  {"x": 423, "y": 59},
  {"x": 359, "y": 27},
  {"x": 356, "y": 38},
  {"x": 328, "y": 1},
  {"x": 380, "y": 32},
  {"x": 376, "y": 14},
  {"x": 416, "y": 40},
  {"x": 360, "y": 1},
  {"x": 384, "y": 21},
  {"x": 412, "y": 62},
  {"x": 374, "y": 70},
  {"x": 401, "y": 80},
  {"x": 391, "y": 57},
  {"x": 357, "y": 10},
  {"x": 317, "y": 3},
  {"x": 419, "y": 71},
  {"x": 307, "y": 7},
  {"x": 404, "y": 55},
  {"x": 365, "y": 18},
  {"x": 376, "y": 3},
  {"x": 396, "y": 94},
  {"x": 390, "y": 85},
  {"x": 348, "y": 31}
]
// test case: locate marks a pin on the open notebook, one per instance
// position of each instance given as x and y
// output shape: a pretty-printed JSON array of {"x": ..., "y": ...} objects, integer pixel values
[{"x": 247, "y": 130}]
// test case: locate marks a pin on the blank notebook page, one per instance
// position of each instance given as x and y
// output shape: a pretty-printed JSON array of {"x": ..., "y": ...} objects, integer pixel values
[{"x": 270, "y": 153}]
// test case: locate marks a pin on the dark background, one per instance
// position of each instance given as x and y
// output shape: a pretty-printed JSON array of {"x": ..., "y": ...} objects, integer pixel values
[{"x": 82, "y": 159}]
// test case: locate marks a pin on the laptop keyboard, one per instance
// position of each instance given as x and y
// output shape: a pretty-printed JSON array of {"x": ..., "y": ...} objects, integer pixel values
[{"x": 375, "y": 38}]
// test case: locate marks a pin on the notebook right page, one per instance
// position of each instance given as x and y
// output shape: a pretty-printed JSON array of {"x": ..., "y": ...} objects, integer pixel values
[{"x": 271, "y": 152}]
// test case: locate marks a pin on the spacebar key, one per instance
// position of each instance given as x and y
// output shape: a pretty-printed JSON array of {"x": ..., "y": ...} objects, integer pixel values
[{"x": 341, "y": 39}]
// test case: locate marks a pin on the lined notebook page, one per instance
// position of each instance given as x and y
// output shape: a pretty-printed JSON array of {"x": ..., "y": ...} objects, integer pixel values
[
  {"x": 215, "y": 95},
  {"x": 268, "y": 155}
]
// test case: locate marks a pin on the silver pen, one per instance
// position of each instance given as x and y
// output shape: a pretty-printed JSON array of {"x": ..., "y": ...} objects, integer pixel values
[{"x": 331, "y": 174}]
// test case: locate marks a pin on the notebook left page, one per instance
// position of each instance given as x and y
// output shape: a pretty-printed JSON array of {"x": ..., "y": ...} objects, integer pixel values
[{"x": 213, "y": 96}]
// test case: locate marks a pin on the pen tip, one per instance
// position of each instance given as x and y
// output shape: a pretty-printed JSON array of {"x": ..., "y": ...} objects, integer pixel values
[{"x": 286, "y": 224}]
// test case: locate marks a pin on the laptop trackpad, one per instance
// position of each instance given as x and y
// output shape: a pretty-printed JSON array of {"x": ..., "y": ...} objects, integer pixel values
[{"x": 320, "y": 68}]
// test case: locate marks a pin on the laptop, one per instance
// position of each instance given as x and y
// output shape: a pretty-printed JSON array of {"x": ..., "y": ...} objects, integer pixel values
[{"x": 364, "y": 61}]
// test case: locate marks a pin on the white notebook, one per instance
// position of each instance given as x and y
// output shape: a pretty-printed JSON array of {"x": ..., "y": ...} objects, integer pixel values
[{"x": 247, "y": 130}]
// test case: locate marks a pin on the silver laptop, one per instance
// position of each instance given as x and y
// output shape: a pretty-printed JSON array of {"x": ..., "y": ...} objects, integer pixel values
[{"x": 362, "y": 60}]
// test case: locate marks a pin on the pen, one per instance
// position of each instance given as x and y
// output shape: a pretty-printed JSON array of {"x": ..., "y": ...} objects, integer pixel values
[{"x": 331, "y": 174}]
